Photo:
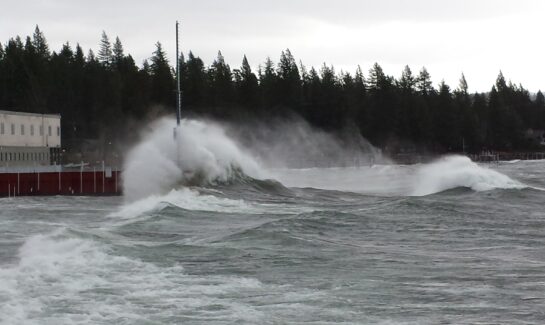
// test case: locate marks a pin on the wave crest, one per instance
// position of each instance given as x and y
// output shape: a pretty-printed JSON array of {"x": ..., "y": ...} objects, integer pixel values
[
  {"x": 457, "y": 171},
  {"x": 202, "y": 154}
]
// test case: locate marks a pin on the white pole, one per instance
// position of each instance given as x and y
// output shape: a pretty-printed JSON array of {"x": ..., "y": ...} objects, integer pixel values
[{"x": 18, "y": 184}]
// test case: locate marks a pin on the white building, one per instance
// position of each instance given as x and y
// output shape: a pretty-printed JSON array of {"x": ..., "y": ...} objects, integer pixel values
[{"x": 28, "y": 139}]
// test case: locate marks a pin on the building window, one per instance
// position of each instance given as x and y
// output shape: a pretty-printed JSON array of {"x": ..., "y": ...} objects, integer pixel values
[
  {"x": 58, "y": 131},
  {"x": 49, "y": 130},
  {"x": 12, "y": 129},
  {"x": 2, "y": 128},
  {"x": 22, "y": 129},
  {"x": 31, "y": 129},
  {"x": 41, "y": 130}
]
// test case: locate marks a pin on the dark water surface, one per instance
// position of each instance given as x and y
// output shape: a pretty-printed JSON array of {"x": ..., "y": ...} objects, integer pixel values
[{"x": 321, "y": 246}]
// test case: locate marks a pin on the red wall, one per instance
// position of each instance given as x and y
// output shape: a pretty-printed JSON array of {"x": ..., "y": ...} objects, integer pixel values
[{"x": 71, "y": 183}]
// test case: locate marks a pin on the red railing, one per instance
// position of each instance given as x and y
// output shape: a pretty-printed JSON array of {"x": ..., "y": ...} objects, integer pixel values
[{"x": 60, "y": 183}]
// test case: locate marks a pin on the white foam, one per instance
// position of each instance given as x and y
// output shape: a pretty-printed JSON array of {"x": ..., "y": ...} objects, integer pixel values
[
  {"x": 160, "y": 163},
  {"x": 63, "y": 280},
  {"x": 401, "y": 180},
  {"x": 458, "y": 171},
  {"x": 184, "y": 198}
]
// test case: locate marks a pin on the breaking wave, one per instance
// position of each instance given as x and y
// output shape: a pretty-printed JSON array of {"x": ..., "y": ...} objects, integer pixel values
[
  {"x": 457, "y": 171},
  {"x": 202, "y": 153},
  {"x": 81, "y": 281}
]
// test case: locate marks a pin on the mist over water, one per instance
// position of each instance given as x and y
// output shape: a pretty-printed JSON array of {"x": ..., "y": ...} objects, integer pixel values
[
  {"x": 219, "y": 227},
  {"x": 202, "y": 150},
  {"x": 205, "y": 153},
  {"x": 164, "y": 171},
  {"x": 293, "y": 143}
]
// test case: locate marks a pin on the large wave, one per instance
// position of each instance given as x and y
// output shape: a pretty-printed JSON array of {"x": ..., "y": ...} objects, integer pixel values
[
  {"x": 446, "y": 173},
  {"x": 158, "y": 169},
  {"x": 458, "y": 171},
  {"x": 201, "y": 153}
]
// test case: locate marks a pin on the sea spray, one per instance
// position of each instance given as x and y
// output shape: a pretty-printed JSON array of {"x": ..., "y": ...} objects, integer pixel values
[
  {"x": 294, "y": 143},
  {"x": 201, "y": 151},
  {"x": 401, "y": 180},
  {"x": 458, "y": 171}
]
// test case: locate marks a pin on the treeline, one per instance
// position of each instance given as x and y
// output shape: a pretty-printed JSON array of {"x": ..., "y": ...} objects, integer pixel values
[{"x": 99, "y": 95}]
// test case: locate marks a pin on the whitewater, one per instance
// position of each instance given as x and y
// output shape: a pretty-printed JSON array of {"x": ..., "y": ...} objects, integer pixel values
[{"x": 223, "y": 226}]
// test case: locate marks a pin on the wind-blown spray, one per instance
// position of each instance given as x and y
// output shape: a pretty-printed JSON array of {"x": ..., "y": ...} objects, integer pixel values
[{"x": 203, "y": 154}]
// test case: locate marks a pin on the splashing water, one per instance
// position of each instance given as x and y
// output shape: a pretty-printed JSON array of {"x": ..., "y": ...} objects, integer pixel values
[
  {"x": 204, "y": 154},
  {"x": 458, "y": 171},
  {"x": 202, "y": 151}
]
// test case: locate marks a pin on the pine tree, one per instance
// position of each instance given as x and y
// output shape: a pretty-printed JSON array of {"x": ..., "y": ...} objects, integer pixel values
[
  {"x": 501, "y": 85},
  {"x": 221, "y": 80},
  {"x": 424, "y": 83},
  {"x": 79, "y": 58},
  {"x": 540, "y": 109},
  {"x": 66, "y": 52},
  {"x": 289, "y": 80},
  {"x": 407, "y": 81},
  {"x": 162, "y": 83},
  {"x": 247, "y": 86},
  {"x": 359, "y": 79},
  {"x": 194, "y": 82},
  {"x": 146, "y": 67},
  {"x": 268, "y": 84},
  {"x": 462, "y": 86},
  {"x": 105, "y": 51},
  {"x": 376, "y": 77},
  {"x": 39, "y": 42},
  {"x": 117, "y": 52},
  {"x": 91, "y": 56}
]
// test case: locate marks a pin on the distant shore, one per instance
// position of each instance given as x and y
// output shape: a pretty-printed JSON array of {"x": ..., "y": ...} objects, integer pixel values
[{"x": 486, "y": 156}]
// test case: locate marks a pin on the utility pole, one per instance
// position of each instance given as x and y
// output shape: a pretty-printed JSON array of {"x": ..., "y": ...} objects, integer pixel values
[
  {"x": 178, "y": 91},
  {"x": 178, "y": 98}
]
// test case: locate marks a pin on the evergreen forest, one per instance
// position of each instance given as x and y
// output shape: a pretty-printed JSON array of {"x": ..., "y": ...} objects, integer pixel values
[{"x": 104, "y": 95}]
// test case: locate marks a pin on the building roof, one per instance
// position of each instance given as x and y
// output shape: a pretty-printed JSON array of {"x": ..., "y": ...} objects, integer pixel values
[{"x": 30, "y": 114}]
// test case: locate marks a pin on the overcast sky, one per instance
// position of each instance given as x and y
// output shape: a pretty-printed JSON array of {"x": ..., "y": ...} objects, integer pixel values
[{"x": 476, "y": 37}]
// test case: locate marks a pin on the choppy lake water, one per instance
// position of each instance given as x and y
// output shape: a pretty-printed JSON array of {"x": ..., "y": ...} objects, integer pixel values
[{"x": 448, "y": 242}]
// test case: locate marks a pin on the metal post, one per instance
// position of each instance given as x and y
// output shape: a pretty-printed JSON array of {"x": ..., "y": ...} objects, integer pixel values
[
  {"x": 178, "y": 92},
  {"x": 38, "y": 181},
  {"x": 116, "y": 180},
  {"x": 18, "y": 185},
  {"x": 59, "y": 181},
  {"x": 94, "y": 179},
  {"x": 103, "y": 176},
  {"x": 81, "y": 178}
]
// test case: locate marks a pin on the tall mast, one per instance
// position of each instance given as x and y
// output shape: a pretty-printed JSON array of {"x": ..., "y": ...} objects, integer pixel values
[{"x": 178, "y": 92}]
